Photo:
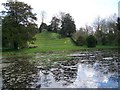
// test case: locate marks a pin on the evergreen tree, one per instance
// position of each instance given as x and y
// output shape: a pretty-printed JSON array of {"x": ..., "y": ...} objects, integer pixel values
[
  {"x": 42, "y": 26},
  {"x": 68, "y": 26},
  {"x": 18, "y": 25},
  {"x": 55, "y": 23}
]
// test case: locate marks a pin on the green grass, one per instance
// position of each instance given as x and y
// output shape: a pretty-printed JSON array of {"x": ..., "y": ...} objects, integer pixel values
[{"x": 50, "y": 42}]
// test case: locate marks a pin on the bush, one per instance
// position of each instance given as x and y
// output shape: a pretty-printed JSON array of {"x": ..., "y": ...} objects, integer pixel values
[
  {"x": 80, "y": 41},
  {"x": 91, "y": 41}
]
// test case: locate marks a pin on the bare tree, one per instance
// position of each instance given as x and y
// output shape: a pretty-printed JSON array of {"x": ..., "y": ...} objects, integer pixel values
[
  {"x": 96, "y": 23},
  {"x": 89, "y": 30},
  {"x": 106, "y": 28},
  {"x": 43, "y": 15}
]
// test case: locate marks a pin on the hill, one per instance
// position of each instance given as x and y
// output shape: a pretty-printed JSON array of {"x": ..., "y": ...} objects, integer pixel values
[{"x": 51, "y": 41}]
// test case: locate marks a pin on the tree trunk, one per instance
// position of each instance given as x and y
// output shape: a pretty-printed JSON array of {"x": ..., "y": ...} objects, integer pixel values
[{"x": 15, "y": 45}]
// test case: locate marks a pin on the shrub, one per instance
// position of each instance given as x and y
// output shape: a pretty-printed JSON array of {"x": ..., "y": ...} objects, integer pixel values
[
  {"x": 91, "y": 41},
  {"x": 80, "y": 41}
]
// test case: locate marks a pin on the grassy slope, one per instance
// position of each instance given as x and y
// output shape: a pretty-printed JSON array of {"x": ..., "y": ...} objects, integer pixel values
[{"x": 47, "y": 41}]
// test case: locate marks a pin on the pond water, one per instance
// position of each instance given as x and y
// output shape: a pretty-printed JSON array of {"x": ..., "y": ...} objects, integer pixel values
[{"x": 85, "y": 69}]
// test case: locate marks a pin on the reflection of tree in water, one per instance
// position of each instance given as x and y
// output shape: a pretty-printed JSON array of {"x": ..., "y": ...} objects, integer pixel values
[
  {"x": 46, "y": 80},
  {"x": 19, "y": 75},
  {"x": 66, "y": 71},
  {"x": 109, "y": 62},
  {"x": 66, "y": 74}
]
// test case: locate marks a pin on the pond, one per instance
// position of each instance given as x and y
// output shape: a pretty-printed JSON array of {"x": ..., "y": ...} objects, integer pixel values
[{"x": 83, "y": 69}]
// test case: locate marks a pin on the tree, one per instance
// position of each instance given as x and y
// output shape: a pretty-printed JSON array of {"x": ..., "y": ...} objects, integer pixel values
[
  {"x": 106, "y": 30},
  {"x": 97, "y": 26},
  {"x": 118, "y": 28},
  {"x": 118, "y": 23},
  {"x": 18, "y": 25},
  {"x": 0, "y": 33},
  {"x": 43, "y": 16},
  {"x": 79, "y": 36},
  {"x": 68, "y": 26},
  {"x": 49, "y": 28},
  {"x": 80, "y": 41},
  {"x": 42, "y": 26},
  {"x": 55, "y": 24},
  {"x": 100, "y": 25},
  {"x": 96, "y": 23},
  {"x": 88, "y": 30},
  {"x": 112, "y": 29}
]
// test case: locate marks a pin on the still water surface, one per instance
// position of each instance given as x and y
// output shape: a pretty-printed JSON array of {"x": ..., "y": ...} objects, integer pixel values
[{"x": 85, "y": 69}]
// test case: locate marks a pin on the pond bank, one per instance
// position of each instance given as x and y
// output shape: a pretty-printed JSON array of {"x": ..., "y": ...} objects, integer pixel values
[{"x": 24, "y": 52}]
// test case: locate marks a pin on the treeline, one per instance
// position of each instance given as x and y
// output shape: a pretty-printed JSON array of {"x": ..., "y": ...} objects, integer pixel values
[
  {"x": 64, "y": 25},
  {"x": 104, "y": 31},
  {"x": 19, "y": 28}
]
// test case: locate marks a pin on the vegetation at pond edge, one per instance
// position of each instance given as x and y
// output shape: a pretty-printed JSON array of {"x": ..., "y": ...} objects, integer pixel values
[
  {"x": 22, "y": 35},
  {"x": 51, "y": 42}
]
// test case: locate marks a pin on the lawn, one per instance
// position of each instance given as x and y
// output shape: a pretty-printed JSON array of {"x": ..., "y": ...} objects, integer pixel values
[{"x": 49, "y": 42}]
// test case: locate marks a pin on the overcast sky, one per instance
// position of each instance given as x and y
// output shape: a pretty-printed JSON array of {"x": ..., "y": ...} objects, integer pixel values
[{"x": 83, "y": 11}]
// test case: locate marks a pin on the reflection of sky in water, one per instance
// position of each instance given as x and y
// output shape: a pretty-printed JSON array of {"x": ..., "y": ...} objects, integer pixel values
[
  {"x": 84, "y": 71},
  {"x": 48, "y": 81},
  {"x": 87, "y": 77},
  {"x": 90, "y": 78}
]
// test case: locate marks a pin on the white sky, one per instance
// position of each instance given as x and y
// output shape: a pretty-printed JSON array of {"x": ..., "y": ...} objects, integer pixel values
[{"x": 83, "y": 11}]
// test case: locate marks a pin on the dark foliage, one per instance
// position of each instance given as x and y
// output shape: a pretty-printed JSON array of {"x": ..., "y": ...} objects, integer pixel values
[
  {"x": 68, "y": 26},
  {"x": 80, "y": 41},
  {"x": 91, "y": 41},
  {"x": 18, "y": 25},
  {"x": 118, "y": 34},
  {"x": 55, "y": 23},
  {"x": 49, "y": 28},
  {"x": 43, "y": 26}
]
